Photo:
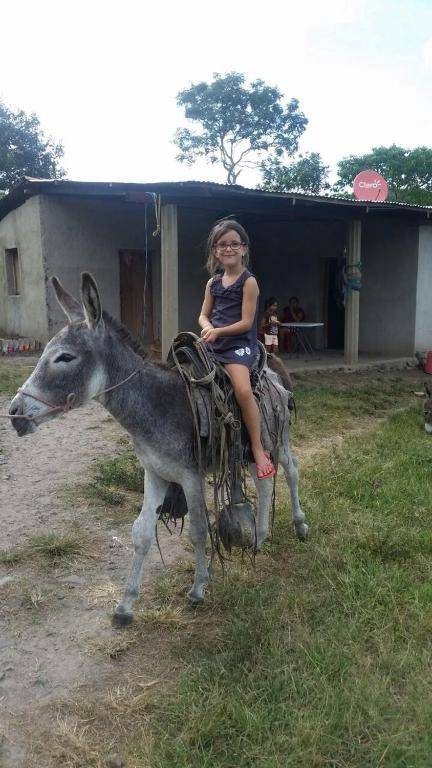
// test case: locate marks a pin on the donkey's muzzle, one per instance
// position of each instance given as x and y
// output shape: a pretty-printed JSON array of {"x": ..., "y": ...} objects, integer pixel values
[{"x": 23, "y": 426}]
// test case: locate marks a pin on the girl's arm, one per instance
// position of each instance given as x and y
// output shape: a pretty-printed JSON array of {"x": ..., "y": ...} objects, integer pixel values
[
  {"x": 206, "y": 309},
  {"x": 249, "y": 303}
]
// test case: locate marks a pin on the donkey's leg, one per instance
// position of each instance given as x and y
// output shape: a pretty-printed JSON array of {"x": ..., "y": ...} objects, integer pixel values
[
  {"x": 143, "y": 531},
  {"x": 193, "y": 490},
  {"x": 290, "y": 466},
  {"x": 264, "y": 489}
]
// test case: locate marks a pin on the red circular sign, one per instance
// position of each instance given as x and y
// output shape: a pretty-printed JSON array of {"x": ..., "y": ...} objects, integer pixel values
[{"x": 370, "y": 185}]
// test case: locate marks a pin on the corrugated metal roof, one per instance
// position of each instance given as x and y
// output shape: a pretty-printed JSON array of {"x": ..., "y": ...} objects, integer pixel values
[{"x": 32, "y": 186}]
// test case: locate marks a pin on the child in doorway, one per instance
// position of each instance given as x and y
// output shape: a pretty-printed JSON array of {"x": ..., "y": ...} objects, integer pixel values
[
  {"x": 228, "y": 320},
  {"x": 270, "y": 325}
]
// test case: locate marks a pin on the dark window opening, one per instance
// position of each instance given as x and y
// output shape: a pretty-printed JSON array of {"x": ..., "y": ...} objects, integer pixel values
[{"x": 12, "y": 271}]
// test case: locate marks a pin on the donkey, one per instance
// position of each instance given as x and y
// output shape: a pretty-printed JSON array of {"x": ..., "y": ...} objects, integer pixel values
[{"x": 94, "y": 357}]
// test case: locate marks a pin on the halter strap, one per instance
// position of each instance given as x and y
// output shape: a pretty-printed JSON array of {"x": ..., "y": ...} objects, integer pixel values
[{"x": 69, "y": 403}]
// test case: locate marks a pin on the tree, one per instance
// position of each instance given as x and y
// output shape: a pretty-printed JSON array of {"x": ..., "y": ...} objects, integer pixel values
[
  {"x": 307, "y": 174},
  {"x": 408, "y": 172},
  {"x": 237, "y": 123},
  {"x": 24, "y": 150}
]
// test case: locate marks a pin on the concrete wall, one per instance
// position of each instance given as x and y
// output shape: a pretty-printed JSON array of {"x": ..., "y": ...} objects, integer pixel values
[
  {"x": 80, "y": 235},
  {"x": 24, "y": 315},
  {"x": 423, "y": 325},
  {"x": 389, "y": 287}
]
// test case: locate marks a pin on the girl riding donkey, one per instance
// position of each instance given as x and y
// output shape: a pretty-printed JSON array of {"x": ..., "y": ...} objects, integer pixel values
[
  {"x": 95, "y": 358},
  {"x": 229, "y": 324}
]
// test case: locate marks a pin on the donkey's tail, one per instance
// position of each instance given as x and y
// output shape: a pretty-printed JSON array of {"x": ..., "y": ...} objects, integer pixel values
[
  {"x": 174, "y": 506},
  {"x": 276, "y": 365}
]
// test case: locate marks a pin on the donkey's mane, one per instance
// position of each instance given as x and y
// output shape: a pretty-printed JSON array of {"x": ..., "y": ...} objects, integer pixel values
[{"x": 124, "y": 335}]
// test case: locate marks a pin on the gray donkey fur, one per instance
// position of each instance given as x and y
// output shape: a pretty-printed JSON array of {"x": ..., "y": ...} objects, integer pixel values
[{"x": 94, "y": 352}]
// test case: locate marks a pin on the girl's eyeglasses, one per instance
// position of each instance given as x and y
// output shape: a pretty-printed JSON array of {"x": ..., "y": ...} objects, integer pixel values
[{"x": 225, "y": 246}]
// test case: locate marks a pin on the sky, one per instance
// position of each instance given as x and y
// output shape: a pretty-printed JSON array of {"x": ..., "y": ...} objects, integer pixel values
[{"x": 103, "y": 76}]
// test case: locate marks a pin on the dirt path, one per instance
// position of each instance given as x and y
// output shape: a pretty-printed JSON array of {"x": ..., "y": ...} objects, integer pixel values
[{"x": 50, "y": 618}]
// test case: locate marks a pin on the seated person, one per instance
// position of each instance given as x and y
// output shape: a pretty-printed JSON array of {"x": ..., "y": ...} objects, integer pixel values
[
  {"x": 270, "y": 325},
  {"x": 293, "y": 313}
]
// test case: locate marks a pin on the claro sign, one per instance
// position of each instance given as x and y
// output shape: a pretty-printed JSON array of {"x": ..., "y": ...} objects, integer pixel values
[{"x": 370, "y": 185}]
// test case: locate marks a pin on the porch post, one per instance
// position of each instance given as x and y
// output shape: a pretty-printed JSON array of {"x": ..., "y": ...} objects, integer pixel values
[
  {"x": 169, "y": 276},
  {"x": 352, "y": 298}
]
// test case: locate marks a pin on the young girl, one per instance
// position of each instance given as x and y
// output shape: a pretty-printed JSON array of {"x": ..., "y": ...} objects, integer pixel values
[
  {"x": 229, "y": 324},
  {"x": 270, "y": 325}
]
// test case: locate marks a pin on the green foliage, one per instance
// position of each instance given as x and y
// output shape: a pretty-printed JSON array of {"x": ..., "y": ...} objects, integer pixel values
[
  {"x": 237, "y": 123},
  {"x": 408, "y": 172},
  {"x": 24, "y": 150},
  {"x": 307, "y": 174}
]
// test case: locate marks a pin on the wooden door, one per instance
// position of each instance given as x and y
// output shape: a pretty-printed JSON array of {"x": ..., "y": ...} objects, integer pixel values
[{"x": 135, "y": 308}]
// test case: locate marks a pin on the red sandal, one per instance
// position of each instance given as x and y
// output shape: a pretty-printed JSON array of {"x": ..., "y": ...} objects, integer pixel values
[{"x": 265, "y": 471}]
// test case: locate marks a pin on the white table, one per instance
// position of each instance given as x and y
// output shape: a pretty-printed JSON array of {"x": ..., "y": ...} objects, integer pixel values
[{"x": 301, "y": 337}]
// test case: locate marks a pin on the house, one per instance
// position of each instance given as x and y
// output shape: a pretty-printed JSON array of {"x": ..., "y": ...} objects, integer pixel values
[{"x": 145, "y": 245}]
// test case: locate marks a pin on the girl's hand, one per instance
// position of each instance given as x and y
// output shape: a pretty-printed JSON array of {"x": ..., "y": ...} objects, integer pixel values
[{"x": 209, "y": 334}]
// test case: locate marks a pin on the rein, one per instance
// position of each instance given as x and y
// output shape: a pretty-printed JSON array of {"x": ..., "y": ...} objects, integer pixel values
[{"x": 69, "y": 403}]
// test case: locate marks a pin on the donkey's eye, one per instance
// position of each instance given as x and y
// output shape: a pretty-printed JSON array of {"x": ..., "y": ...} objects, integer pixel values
[{"x": 64, "y": 358}]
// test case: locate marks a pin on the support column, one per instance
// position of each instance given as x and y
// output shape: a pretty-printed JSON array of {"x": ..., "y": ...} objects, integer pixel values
[
  {"x": 352, "y": 298},
  {"x": 169, "y": 276}
]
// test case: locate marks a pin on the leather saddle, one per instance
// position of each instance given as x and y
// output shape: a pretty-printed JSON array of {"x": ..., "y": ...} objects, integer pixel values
[{"x": 211, "y": 393}]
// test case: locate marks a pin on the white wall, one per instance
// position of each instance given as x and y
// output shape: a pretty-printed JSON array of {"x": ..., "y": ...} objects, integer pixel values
[
  {"x": 24, "y": 315},
  {"x": 87, "y": 235},
  {"x": 423, "y": 325},
  {"x": 389, "y": 287}
]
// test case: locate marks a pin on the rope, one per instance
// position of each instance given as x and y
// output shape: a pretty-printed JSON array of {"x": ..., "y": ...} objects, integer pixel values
[{"x": 70, "y": 402}]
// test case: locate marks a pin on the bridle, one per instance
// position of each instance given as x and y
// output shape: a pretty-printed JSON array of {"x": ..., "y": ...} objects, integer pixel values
[{"x": 67, "y": 406}]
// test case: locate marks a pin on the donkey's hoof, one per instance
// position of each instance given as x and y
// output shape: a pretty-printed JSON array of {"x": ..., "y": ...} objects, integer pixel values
[
  {"x": 121, "y": 618},
  {"x": 193, "y": 600},
  {"x": 302, "y": 531}
]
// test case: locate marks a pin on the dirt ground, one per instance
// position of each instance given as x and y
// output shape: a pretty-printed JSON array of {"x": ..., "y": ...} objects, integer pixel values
[{"x": 50, "y": 618}]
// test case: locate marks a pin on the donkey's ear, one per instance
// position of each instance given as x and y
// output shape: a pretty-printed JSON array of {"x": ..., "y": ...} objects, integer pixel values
[
  {"x": 90, "y": 299},
  {"x": 428, "y": 390},
  {"x": 70, "y": 306}
]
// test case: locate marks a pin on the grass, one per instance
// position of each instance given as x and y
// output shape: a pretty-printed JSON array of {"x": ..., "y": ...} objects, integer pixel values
[
  {"x": 322, "y": 657},
  {"x": 324, "y": 409},
  {"x": 13, "y": 375},
  {"x": 123, "y": 472},
  {"x": 51, "y": 548},
  {"x": 116, "y": 489}
]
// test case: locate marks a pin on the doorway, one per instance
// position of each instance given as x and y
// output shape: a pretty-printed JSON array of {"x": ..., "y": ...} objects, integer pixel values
[
  {"x": 136, "y": 309},
  {"x": 333, "y": 302}
]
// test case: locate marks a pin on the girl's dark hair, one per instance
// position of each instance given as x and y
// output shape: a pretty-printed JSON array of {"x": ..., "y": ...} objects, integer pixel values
[
  {"x": 293, "y": 298},
  {"x": 270, "y": 301},
  {"x": 218, "y": 231}
]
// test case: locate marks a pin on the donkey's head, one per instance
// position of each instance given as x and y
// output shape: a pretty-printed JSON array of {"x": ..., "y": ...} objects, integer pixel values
[
  {"x": 427, "y": 409},
  {"x": 70, "y": 371}
]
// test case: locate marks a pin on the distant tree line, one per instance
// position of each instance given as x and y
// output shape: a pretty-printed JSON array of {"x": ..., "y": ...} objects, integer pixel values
[
  {"x": 237, "y": 125},
  {"x": 240, "y": 125}
]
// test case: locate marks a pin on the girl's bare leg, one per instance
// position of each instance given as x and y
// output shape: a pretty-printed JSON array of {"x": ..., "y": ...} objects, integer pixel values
[{"x": 239, "y": 375}]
